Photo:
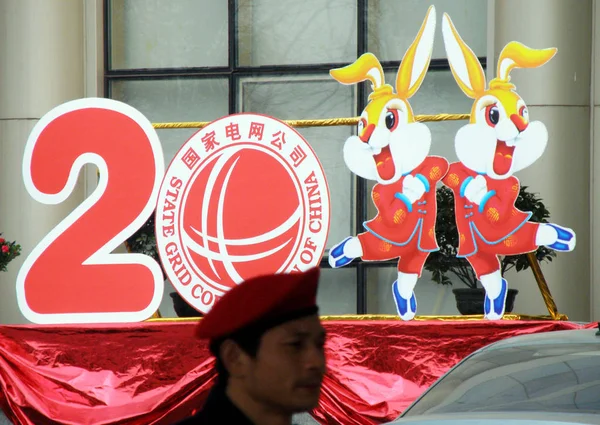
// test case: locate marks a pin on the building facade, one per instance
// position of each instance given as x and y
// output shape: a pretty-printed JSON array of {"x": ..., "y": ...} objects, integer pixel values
[{"x": 198, "y": 60}]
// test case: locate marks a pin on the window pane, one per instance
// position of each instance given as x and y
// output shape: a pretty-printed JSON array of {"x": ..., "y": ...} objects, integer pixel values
[
  {"x": 168, "y": 34},
  {"x": 394, "y": 25},
  {"x": 337, "y": 291},
  {"x": 312, "y": 97},
  {"x": 286, "y": 32},
  {"x": 432, "y": 299},
  {"x": 439, "y": 94},
  {"x": 379, "y": 290},
  {"x": 175, "y": 100}
]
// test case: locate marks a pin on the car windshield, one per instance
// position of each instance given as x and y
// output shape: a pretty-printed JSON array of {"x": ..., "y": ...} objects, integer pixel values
[{"x": 548, "y": 378}]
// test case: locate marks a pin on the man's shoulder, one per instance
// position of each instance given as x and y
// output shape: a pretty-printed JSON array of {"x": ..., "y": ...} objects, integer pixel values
[
  {"x": 217, "y": 410},
  {"x": 191, "y": 420},
  {"x": 199, "y": 418}
]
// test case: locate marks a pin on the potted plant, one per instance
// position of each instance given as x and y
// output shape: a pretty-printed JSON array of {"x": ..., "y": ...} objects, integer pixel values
[
  {"x": 144, "y": 242},
  {"x": 444, "y": 262},
  {"x": 8, "y": 252}
]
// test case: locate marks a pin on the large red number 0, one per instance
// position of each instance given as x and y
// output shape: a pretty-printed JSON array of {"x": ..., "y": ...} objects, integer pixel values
[{"x": 72, "y": 275}]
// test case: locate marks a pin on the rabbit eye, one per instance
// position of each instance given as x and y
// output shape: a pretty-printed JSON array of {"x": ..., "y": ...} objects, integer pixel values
[
  {"x": 391, "y": 119},
  {"x": 361, "y": 126},
  {"x": 492, "y": 115},
  {"x": 524, "y": 112}
]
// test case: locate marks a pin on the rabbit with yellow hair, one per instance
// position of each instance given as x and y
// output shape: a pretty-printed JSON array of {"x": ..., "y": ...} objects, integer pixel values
[
  {"x": 499, "y": 141},
  {"x": 393, "y": 150}
]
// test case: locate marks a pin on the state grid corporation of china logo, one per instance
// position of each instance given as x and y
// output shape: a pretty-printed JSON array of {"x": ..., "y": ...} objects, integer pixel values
[{"x": 246, "y": 195}]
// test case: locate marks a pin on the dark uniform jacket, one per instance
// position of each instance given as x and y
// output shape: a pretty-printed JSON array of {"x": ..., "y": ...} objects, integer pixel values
[{"x": 218, "y": 410}]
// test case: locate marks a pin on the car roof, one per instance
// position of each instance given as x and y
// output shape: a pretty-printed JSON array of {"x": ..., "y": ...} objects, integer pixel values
[
  {"x": 575, "y": 336},
  {"x": 504, "y": 418},
  {"x": 559, "y": 340}
]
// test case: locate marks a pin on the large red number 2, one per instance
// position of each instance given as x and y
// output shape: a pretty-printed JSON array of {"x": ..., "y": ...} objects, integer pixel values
[{"x": 72, "y": 276}]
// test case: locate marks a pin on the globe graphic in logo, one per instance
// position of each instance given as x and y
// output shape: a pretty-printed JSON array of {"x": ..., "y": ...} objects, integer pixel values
[{"x": 246, "y": 195}]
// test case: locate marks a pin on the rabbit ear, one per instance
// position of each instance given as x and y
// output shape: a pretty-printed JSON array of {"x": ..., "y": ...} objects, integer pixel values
[
  {"x": 416, "y": 60},
  {"x": 464, "y": 64},
  {"x": 366, "y": 67},
  {"x": 517, "y": 55}
]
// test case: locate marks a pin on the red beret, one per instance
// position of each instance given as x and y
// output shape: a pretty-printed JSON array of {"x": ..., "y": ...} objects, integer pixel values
[{"x": 263, "y": 299}]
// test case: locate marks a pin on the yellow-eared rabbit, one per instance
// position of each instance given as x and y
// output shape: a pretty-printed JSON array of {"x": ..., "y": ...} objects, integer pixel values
[
  {"x": 392, "y": 149},
  {"x": 499, "y": 141}
]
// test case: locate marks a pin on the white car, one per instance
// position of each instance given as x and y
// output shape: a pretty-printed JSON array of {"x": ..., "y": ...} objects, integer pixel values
[{"x": 545, "y": 378}]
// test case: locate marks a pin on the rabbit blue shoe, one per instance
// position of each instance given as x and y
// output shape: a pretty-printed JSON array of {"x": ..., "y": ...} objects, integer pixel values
[
  {"x": 407, "y": 308},
  {"x": 494, "y": 308}
]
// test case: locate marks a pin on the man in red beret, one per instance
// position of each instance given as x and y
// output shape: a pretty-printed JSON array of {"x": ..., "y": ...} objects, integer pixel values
[{"x": 269, "y": 344}]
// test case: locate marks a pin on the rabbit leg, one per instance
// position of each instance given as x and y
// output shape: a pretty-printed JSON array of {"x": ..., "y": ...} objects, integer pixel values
[
  {"x": 404, "y": 296},
  {"x": 344, "y": 252},
  {"x": 487, "y": 270},
  {"x": 409, "y": 269},
  {"x": 496, "y": 289},
  {"x": 555, "y": 237}
]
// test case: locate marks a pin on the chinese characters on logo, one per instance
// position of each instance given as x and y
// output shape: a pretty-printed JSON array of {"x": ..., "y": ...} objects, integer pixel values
[
  {"x": 190, "y": 158},
  {"x": 211, "y": 141}
]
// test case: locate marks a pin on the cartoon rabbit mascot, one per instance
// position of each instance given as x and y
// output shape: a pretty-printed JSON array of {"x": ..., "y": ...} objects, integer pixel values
[
  {"x": 499, "y": 141},
  {"x": 392, "y": 149}
]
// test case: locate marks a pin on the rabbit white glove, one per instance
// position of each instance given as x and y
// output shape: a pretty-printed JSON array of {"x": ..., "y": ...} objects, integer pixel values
[
  {"x": 476, "y": 189},
  {"x": 412, "y": 188}
]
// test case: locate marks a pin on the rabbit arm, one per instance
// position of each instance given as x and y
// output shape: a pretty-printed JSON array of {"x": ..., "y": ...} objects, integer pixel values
[
  {"x": 387, "y": 196},
  {"x": 388, "y": 199},
  {"x": 457, "y": 174},
  {"x": 376, "y": 195},
  {"x": 421, "y": 181},
  {"x": 499, "y": 202},
  {"x": 434, "y": 168}
]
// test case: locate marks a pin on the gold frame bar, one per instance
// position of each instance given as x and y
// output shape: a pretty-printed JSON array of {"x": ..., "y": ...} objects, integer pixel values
[{"x": 384, "y": 318}]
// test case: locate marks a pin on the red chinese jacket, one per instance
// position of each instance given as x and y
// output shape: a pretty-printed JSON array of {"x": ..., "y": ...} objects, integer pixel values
[
  {"x": 399, "y": 222},
  {"x": 494, "y": 220}
]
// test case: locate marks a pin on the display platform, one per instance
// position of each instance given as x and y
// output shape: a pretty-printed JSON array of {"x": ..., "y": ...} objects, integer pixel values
[{"x": 156, "y": 372}]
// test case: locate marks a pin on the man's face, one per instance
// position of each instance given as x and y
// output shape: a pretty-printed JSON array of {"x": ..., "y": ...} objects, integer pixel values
[{"x": 288, "y": 369}]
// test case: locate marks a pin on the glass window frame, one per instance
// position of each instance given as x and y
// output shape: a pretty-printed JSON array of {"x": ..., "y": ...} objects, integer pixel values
[{"x": 234, "y": 73}]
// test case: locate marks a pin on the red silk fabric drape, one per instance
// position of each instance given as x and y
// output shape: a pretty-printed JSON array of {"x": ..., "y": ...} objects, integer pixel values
[{"x": 158, "y": 373}]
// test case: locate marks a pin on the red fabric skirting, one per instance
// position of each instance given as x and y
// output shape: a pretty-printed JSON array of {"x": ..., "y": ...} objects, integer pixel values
[{"x": 157, "y": 373}]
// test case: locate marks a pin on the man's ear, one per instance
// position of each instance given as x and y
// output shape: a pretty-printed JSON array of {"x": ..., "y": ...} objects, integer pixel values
[{"x": 235, "y": 360}]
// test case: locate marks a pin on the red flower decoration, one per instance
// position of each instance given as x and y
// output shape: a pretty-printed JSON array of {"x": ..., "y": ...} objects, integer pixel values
[{"x": 10, "y": 250}]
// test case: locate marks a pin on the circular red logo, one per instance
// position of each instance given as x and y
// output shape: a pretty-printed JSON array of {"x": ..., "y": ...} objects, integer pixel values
[{"x": 244, "y": 196}]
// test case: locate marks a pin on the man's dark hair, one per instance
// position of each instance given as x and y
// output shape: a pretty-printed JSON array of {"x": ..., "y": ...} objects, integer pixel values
[{"x": 247, "y": 339}]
